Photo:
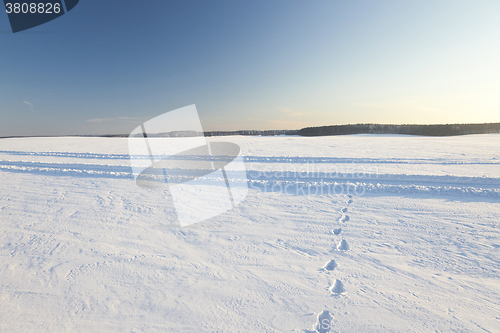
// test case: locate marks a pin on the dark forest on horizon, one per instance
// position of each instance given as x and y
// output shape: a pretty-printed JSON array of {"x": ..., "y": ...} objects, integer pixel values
[
  {"x": 424, "y": 130},
  {"x": 408, "y": 129}
]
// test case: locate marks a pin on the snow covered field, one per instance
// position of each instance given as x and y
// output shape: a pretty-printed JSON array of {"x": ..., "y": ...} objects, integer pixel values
[{"x": 83, "y": 249}]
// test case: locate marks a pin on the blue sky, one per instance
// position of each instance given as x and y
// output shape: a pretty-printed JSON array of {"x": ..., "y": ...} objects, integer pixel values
[{"x": 107, "y": 66}]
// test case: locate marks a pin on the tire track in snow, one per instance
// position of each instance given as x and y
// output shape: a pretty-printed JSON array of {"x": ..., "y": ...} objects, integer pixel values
[
  {"x": 265, "y": 159},
  {"x": 306, "y": 184}
]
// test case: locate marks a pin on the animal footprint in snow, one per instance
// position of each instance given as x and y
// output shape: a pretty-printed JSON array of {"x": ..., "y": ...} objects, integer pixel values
[
  {"x": 337, "y": 231},
  {"x": 344, "y": 210},
  {"x": 330, "y": 266},
  {"x": 324, "y": 324},
  {"x": 343, "y": 246},
  {"x": 337, "y": 287},
  {"x": 345, "y": 218}
]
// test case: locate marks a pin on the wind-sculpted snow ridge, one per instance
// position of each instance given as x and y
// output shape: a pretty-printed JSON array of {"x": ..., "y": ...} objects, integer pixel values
[
  {"x": 264, "y": 159},
  {"x": 95, "y": 170},
  {"x": 293, "y": 183},
  {"x": 71, "y": 155},
  {"x": 73, "y": 170},
  {"x": 316, "y": 176},
  {"x": 335, "y": 160},
  {"x": 399, "y": 184},
  {"x": 359, "y": 188}
]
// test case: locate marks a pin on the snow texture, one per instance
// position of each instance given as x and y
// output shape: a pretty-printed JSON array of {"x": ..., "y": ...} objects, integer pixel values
[
  {"x": 84, "y": 249},
  {"x": 337, "y": 287}
]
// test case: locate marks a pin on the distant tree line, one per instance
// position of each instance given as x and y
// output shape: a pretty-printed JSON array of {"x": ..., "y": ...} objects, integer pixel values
[
  {"x": 427, "y": 130},
  {"x": 251, "y": 132},
  {"x": 217, "y": 133}
]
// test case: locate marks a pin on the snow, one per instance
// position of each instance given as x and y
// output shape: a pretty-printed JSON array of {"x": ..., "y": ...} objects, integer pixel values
[
  {"x": 337, "y": 287},
  {"x": 343, "y": 246},
  {"x": 83, "y": 248},
  {"x": 330, "y": 265}
]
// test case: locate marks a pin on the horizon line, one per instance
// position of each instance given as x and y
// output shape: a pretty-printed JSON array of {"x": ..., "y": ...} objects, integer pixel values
[{"x": 239, "y": 132}]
